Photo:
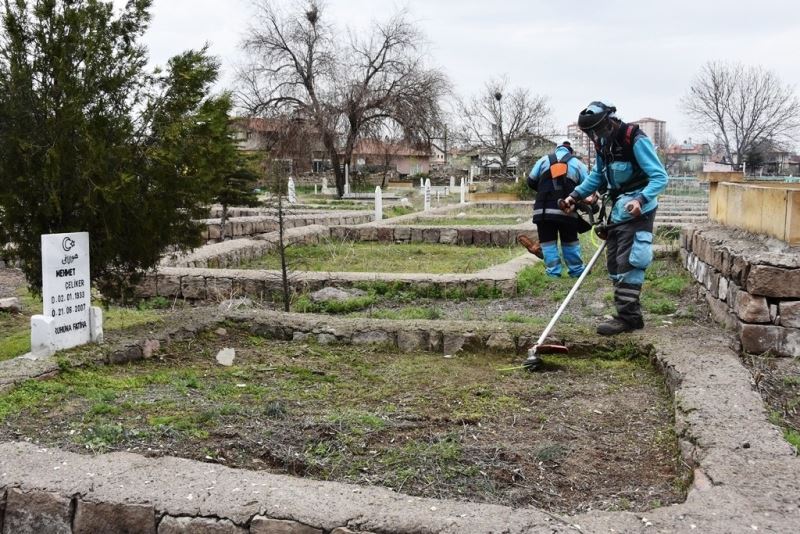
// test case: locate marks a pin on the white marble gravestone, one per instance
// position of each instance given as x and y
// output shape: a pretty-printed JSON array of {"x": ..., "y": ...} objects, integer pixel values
[
  {"x": 378, "y": 204},
  {"x": 68, "y": 318}
]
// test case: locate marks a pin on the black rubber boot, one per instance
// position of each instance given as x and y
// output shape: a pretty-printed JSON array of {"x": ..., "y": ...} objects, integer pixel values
[{"x": 618, "y": 326}]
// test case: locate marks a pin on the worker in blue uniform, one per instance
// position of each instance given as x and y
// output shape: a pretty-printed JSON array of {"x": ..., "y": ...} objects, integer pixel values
[
  {"x": 554, "y": 177},
  {"x": 629, "y": 171}
]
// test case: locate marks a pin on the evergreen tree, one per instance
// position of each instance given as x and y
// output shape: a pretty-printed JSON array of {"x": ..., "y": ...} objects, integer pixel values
[{"x": 92, "y": 141}]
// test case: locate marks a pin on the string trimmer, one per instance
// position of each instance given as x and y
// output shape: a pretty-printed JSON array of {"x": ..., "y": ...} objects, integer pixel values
[{"x": 533, "y": 362}]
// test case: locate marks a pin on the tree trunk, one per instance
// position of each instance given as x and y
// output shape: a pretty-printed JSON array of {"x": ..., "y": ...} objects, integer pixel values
[
  {"x": 282, "y": 252},
  {"x": 338, "y": 172}
]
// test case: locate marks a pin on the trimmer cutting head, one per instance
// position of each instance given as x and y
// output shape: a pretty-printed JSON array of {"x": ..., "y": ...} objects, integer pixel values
[
  {"x": 534, "y": 362},
  {"x": 550, "y": 349}
]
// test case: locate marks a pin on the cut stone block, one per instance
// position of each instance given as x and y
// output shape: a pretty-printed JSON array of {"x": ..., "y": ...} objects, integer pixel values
[
  {"x": 92, "y": 517},
  {"x": 773, "y": 281},
  {"x": 410, "y": 341},
  {"x": 264, "y": 525},
  {"x": 757, "y": 339},
  {"x": 371, "y": 337},
  {"x": 169, "y": 285},
  {"x": 464, "y": 236},
  {"x": 790, "y": 343},
  {"x": 198, "y": 525},
  {"x": 36, "y": 512},
  {"x": 431, "y": 235},
  {"x": 193, "y": 287},
  {"x": 789, "y": 310},
  {"x": 448, "y": 236},
  {"x": 481, "y": 237},
  {"x": 752, "y": 308},
  {"x": 501, "y": 341}
]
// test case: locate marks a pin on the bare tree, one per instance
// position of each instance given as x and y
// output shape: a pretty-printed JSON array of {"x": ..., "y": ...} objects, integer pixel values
[
  {"x": 299, "y": 67},
  {"x": 503, "y": 121},
  {"x": 742, "y": 106}
]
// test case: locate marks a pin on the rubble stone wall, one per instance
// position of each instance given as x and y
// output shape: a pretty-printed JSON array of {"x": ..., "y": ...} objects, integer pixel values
[
  {"x": 483, "y": 236},
  {"x": 751, "y": 284},
  {"x": 221, "y": 284},
  {"x": 238, "y": 227}
]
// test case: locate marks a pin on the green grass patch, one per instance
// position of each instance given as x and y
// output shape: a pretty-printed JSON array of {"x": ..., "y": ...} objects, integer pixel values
[
  {"x": 397, "y": 211},
  {"x": 406, "y": 313},
  {"x": 344, "y": 256},
  {"x": 467, "y": 221},
  {"x": 658, "y": 305},
  {"x": 15, "y": 343},
  {"x": 304, "y": 304},
  {"x": 524, "y": 213},
  {"x": 417, "y": 423},
  {"x": 793, "y": 437}
]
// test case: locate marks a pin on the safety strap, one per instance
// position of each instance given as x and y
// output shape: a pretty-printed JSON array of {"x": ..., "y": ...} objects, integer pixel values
[{"x": 627, "y": 188}]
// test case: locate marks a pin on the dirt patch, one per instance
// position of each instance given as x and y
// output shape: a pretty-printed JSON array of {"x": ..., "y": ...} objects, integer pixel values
[
  {"x": 778, "y": 381},
  {"x": 591, "y": 432}
]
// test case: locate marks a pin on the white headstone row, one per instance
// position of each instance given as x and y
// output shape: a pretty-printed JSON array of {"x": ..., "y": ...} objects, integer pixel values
[
  {"x": 427, "y": 194},
  {"x": 378, "y": 204},
  {"x": 292, "y": 191}
]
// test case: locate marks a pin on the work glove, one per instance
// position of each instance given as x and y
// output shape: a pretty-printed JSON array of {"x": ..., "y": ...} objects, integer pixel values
[
  {"x": 634, "y": 207},
  {"x": 568, "y": 204}
]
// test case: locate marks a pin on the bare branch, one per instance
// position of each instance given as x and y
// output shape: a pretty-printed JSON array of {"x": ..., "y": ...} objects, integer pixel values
[
  {"x": 503, "y": 121},
  {"x": 743, "y": 107},
  {"x": 297, "y": 67}
]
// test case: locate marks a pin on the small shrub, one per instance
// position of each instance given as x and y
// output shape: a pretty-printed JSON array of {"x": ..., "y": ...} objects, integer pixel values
[
  {"x": 513, "y": 317},
  {"x": 658, "y": 305},
  {"x": 532, "y": 280},
  {"x": 154, "y": 303}
]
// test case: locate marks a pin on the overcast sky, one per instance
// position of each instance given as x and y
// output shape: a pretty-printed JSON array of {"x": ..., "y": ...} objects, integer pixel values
[{"x": 640, "y": 55}]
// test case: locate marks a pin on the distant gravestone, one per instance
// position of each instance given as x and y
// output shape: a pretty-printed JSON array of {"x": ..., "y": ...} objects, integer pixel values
[
  {"x": 291, "y": 191},
  {"x": 463, "y": 191},
  {"x": 325, "y": 186},
  {"x": 421, "y": 183},
  {"x": 427, "y": 194},
  {"x": 452, "y": 182},
  {"x": 378, "y": 204},
  {"x": 315, "y": 189},
  {"x": 346, "y": 179},
  {"x": 68, "y": 318}
]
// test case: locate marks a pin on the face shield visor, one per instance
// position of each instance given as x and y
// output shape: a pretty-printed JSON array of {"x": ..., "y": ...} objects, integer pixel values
[{"x": 601, "y": 132}]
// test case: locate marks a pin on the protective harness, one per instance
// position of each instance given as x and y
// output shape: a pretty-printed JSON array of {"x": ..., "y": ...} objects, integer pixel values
[{"x": 552, "y": 186}]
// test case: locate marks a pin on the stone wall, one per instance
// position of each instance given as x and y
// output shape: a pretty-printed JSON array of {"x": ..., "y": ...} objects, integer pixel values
[
  {"x": 459, "y": 235},
  {"x": 220, "y": 284},
  {"x": 238, "y": 227},
  {"x": 234, "y": 252},
  {"x": 751, "y": 283}
]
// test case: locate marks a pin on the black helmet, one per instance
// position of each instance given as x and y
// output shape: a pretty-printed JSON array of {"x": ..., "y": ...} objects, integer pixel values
[{"x": 594, "y": 114}]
